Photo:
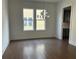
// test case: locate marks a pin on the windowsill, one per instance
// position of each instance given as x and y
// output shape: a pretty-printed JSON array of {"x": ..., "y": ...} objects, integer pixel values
[
  {"x": 28, "y": 30},
  {"x": 40, "y": 30}
]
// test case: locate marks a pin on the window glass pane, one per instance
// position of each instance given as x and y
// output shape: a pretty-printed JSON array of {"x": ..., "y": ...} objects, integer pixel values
[
  {"x": 28, "y": 19},
  {"x": 40, "y": 19}
]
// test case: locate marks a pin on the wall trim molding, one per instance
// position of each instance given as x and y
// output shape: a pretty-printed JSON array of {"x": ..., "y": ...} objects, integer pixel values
[
  {"x": 72, "y": 43},
  {"x": 5, "y": 49},
  {"x": 34, "y": 38}
]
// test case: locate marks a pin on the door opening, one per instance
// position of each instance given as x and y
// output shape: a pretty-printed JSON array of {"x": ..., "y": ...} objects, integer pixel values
[{"x": 66, "y": 23}]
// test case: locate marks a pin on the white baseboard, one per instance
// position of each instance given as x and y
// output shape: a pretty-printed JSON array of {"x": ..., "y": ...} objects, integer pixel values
[
  {"x": 72, "y": 43},
  {"x": 3, "y": 50}
]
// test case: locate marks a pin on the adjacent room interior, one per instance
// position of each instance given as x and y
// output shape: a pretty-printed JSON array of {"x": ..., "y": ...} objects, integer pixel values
[
  {"x": 38, "y": 29},
  {"x": 66, "y": 22}
]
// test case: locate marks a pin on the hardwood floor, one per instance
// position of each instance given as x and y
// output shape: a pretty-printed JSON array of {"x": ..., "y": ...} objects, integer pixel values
[{"x": 40, "y": 49}]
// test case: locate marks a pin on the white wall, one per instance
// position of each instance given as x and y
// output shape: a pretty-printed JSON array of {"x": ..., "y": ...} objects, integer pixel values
[
  {"x": 16, "y": 19},
  {"x": 5, "y": 27},
  {"x": 62, "y": 4},
  {"x": 72, "y": 38}
]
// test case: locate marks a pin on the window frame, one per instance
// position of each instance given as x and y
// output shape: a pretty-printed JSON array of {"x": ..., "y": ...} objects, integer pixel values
[
  {"x": 34, "y": 20},
  {"x": 44, "y": 20}
]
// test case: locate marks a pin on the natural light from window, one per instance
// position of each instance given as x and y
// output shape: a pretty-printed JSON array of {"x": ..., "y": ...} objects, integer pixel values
[
  {"x": 28, "y": 19},
  {"x": 40, "y": 19},
  {"x": 33, "y": 21}
]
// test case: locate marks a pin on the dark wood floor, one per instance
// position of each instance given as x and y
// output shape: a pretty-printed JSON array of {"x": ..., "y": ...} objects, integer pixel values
[{"x": 40, "y": 49}]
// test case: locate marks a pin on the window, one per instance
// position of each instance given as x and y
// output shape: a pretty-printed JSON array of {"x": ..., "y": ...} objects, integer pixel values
[
  {"x": 28, "y": 19},
  {"x": 39, "y": 20}
]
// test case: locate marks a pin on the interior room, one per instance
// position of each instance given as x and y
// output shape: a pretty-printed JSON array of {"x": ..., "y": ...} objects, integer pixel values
[{"x": 38, "y": 29}]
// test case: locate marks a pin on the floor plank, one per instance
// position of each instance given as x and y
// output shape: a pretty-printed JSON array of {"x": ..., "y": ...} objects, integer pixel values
[{"x": 40, "y": 49}]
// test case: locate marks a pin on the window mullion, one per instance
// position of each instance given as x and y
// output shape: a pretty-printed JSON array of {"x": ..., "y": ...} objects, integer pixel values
[{"x": 34, "y": 19}]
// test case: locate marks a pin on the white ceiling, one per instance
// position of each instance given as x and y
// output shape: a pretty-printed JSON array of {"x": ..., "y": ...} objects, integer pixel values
[{"x": 45, "y": 0}]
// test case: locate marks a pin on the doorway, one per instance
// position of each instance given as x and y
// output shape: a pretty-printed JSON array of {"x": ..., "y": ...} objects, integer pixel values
[{"x": 66, "y": 22}]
